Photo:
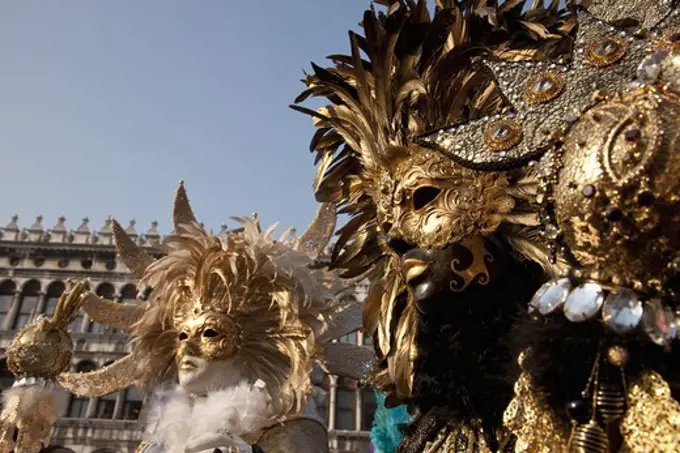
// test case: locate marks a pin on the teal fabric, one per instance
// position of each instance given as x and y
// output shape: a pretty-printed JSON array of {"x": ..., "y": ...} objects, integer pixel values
[{"x": 386, "y": 433}]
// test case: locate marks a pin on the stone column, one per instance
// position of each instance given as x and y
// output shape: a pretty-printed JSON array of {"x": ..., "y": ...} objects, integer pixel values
[
  {"x": 92, "y": 408},
  {"x": 42, "y": 302},
  {"x": 13, "y": 311},
  {"x": 332, "y": 402},
  {"x": 357, "y": 394},
  {"x": 118, "y": 408}
]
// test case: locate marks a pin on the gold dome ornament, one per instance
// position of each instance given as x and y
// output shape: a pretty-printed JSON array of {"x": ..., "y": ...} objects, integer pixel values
[
  {"x": 43, "y": 349},
  {"x": 616, "y": 199}
]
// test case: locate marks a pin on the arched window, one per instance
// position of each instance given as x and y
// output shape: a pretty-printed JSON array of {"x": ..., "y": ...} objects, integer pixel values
[
  {"x": 57, "y": 449},
  {"x": 350, "y": 338},
  {"x": 107, "y": 291},
  {"x": 132, "y": 404},
  {"x": 128, "y": 294},
  {"x": 28, "y": 302},
  {"x": 54, "y": 292},
  {"x": 77, "y": 407},
  {"x": 6, "y": 376},
  {"x": 7, "y": 290}
]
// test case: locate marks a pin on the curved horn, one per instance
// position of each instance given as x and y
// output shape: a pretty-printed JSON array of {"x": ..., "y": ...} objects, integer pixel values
[
  {"x": 134, "y": 257},
  {"x": 320, "y": 231},
  {"x": 120, "y": 374},
  {"x": 111, "y": 313},
  {"x": 181, "y": 209}
]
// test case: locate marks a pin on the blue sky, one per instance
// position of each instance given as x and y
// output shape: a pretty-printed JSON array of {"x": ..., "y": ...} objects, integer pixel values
[{"x": 105, "y": 105}]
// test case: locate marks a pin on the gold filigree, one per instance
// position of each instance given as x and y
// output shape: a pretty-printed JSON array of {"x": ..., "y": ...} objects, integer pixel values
[
  {"x": 543, "y": 87},
  {"x": 652, "y": 421},
  {"x": 606, "y": 51},
  {"x": 530, "y": 419},
  {"x": 669, "y": 41},
  {"x": 502, "y": 135}
]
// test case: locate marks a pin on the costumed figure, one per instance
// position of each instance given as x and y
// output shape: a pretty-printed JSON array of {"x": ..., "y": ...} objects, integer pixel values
[
  {"x": 480, "y": 153},
  {"x": 225, "y": 342}
]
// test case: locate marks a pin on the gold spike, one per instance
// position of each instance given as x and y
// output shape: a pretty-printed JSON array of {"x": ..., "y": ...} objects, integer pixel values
[
  {"x": 181, "y": 209},
  {"x": 320, "y": 231},
  {"x": 256, "y": 221},
  {"x": 134, "y": 257}
]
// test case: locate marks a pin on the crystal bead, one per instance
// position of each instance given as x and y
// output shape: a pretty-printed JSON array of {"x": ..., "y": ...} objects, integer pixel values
[
  {"x": 649, "y": 69},
  {"x": 543, "y": 85},
  {"x": 551, "y": 232},
  {"x": 584, "y": 302},
  {"x": 551, "y": 296},
  {"x": 501, "y": 131},
  {"x": 622, "y": 311},
  {"x": 659, "y": 322},
  {"x": 606, "y": 47}
]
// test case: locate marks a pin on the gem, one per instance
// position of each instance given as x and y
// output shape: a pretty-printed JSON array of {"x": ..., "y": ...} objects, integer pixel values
[
  {"x": 659, "y": 322},
  {"x": 645, "y": 198},
  {"x": 589, "y": 191},
  {"x": 543, "y": 85},
  {"x": 501, "y": 131},
  {"x": 578, "y": 410},
  {"x": 584, "y": 302},
  {"x": 551, "y": 296},
  {"x": 617, "y": 355},
  {"x": 613, "y": 214},
  {"x": 649, "y": 69},
  {"x": 551, "y": 232},
  {"x": 622, "y": 311},
  {"x": 674, "y": 37},
  {"x": 633, "y": 135},
  {"x": 606, "y": 47}
]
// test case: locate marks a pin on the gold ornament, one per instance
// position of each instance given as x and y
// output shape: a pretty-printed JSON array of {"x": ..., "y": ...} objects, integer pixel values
[
  {"x": 502, "y": 135},
  {"x": 543, "y": 87},
  {"x": 606, "y": 51},
  {"x": 626, "y": 149}
]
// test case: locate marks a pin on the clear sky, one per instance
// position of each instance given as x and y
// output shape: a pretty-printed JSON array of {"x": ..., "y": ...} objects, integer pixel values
[{"x": 105, "y": 105}]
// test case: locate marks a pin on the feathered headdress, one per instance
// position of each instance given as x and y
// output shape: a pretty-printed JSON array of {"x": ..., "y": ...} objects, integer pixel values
[{"x": 411, "y": 73}]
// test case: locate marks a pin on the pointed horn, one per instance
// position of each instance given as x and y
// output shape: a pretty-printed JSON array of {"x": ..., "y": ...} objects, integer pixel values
[
  {"x": 120, "y": 374},
  {"x": 320, "y": 231},
  {"x": 134, "y": 257},
  {"x": 181, "y": 209},
  {"x": 111, "y": 313}
]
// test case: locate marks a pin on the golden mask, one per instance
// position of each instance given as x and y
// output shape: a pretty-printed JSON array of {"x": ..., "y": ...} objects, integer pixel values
[
  {"x": 208, "y": 335},
  {"x": 428, "y": 201}
]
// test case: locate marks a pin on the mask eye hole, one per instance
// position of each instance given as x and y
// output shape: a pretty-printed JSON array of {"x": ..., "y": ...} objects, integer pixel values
[
  {"x": 423, "y": 196},
  {"x": 209, "y": 333},
  {"x": 183, "y": 336}
]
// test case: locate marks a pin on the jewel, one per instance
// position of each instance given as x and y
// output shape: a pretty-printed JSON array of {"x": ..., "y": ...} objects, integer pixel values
[
  {"x": 578, "y": 410},
  {"x": 501, "y": 131},
  {"x": 675, "y": 36},
  {"x": 551, "y": 296},
  {"x": 606, "y": 51},
  {"x": 659, "y": 322},
  {"x": 551, "y": 232},
  {"x": 645, "y": 198},
  {"x": 613, "y": 213},
  {"x": 543, "y": 87},
  {"x": 584, "y": 302},
  {"x": 622, "y": 311},
  {"x": 633, "y": 135},
  {"x": 649, "y": 69},
  {"x": 589, "y": 191},
  {"x": 617, "y": 355}
]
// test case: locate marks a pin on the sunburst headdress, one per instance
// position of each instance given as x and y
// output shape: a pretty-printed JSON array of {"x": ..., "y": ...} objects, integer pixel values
[
  {"x": 412, "y": 73},
  {"x": 276, "y": 313}
]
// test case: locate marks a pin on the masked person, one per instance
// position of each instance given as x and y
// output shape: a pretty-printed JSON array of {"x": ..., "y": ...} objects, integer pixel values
[
  {"x": 432, "y": 141},
  {"x": 225, "y": 342}
]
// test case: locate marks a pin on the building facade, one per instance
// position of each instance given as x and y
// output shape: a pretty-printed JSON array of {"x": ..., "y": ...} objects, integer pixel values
[{"x": 35, "y": 264}]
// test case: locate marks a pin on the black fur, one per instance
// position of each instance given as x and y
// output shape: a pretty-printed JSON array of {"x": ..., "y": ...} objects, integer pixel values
[{"x": 464, "y": 369}]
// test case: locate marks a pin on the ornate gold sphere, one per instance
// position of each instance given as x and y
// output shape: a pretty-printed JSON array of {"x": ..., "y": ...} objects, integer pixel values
[
  {"x": 40, "y": 350},
  {"x": 617, "y": 195}
]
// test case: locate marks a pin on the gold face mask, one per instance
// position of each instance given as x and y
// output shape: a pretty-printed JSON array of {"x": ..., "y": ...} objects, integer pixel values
[
  {"x": 208, "y": 335},
  {"x": 429, "y": 201}
]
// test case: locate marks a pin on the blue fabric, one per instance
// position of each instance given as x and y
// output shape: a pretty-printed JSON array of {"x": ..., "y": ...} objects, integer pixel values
[{"x": 386, "y": 432}]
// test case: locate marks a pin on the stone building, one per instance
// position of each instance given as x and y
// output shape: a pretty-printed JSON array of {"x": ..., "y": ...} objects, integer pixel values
[{"x": 35, "y": 263}]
